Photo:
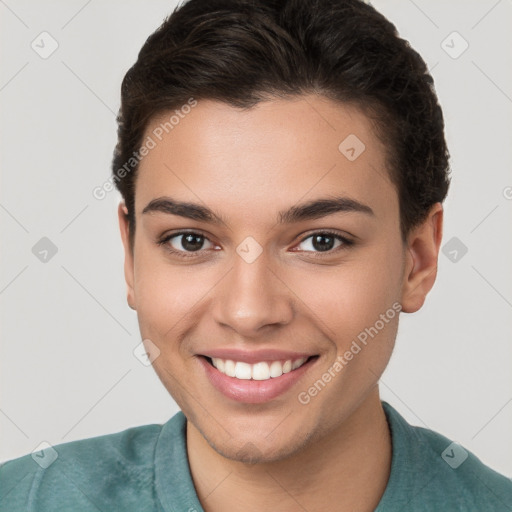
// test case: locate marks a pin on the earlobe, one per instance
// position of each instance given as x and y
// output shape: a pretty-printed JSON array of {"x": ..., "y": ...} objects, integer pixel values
[
  {"x": 420, "y": 269},
  {"x": 124, "y": 227}
]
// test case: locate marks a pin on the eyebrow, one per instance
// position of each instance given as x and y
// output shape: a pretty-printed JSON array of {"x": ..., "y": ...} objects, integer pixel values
[{"x": 314, "y": 209}]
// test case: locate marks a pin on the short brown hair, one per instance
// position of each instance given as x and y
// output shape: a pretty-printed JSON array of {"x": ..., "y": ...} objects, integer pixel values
[{"x": 242, "y": 52}]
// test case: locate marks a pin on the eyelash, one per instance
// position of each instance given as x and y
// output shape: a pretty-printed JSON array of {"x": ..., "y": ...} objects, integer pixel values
[{"x": 346, "y": 243}]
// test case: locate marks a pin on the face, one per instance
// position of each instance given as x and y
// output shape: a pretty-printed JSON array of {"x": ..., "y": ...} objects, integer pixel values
[{"x": 290, "y": 259}]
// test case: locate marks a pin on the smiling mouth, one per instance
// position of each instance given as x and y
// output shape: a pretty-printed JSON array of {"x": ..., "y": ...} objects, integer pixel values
[{"x": 262, "y": 370}]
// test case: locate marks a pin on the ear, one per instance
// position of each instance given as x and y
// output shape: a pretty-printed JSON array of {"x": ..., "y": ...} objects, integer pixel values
[
  {"x": 420, "y": 269},
  {"x": 124, "y": 226}
]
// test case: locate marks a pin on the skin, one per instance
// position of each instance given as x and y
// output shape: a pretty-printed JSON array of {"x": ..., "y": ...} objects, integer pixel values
[{"x": 335, "y": 452}]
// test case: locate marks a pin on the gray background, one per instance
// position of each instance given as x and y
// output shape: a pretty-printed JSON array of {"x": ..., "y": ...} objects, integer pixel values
[{"x": 67, "y": 335}]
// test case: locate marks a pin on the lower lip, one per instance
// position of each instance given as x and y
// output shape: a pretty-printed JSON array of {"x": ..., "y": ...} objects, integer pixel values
[{"x": 253, "y": 391}]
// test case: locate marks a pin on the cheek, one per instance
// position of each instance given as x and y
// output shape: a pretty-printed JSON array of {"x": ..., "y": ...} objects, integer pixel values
[
  {"x": 164, "y": 297},
  {"x": 350, "y": 298}
]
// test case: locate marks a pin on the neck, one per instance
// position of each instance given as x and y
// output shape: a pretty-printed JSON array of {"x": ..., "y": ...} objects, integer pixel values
[{"x": 347, "y": 469}]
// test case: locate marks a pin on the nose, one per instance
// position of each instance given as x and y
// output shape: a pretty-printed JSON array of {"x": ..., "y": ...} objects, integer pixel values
[{"x": 252, "y": 297}]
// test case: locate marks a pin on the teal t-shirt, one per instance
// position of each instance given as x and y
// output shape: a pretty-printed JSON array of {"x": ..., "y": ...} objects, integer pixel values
[{"x": 145, "y": 469}]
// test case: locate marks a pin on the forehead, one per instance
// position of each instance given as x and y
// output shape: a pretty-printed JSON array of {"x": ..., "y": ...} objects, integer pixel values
[{"x": 270, "y": 156}]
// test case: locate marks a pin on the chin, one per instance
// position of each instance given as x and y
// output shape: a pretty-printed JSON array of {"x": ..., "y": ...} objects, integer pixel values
[{"x": 261, "y": 450}]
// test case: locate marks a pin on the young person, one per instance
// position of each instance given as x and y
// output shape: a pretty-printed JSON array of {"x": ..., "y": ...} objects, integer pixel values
[{"x": 282, "y": 167}]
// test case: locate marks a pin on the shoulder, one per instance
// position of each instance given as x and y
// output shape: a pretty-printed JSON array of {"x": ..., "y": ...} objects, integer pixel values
[
  {"x": 100, "y": 472},
  {"x": 432, "y": 472},
  {"x": 463, "y": 475}
]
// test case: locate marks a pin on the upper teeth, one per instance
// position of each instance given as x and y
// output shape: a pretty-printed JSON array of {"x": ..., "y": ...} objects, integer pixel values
[{"x": 257, "y": 371}]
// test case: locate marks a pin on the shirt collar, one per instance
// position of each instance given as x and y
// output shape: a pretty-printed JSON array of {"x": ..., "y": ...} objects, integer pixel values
[{"x": 175, "y": 488}]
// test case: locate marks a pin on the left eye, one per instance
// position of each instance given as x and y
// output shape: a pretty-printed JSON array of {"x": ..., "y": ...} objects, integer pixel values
[{"x": 324, "y": 242}]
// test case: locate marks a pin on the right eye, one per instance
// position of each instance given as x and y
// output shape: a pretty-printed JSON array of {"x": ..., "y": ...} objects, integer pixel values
[{"x": 184, "y": 243}]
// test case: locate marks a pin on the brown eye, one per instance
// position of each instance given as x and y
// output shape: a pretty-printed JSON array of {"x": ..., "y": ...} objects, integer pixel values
[
  {"x": 324, "y": 241},
  {"x": 189, "y": 242},
  {"x": 184, "y": 243}
]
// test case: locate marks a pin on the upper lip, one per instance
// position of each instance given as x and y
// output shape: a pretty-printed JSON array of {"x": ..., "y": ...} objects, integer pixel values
[{"x": 255, "y": 356}]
